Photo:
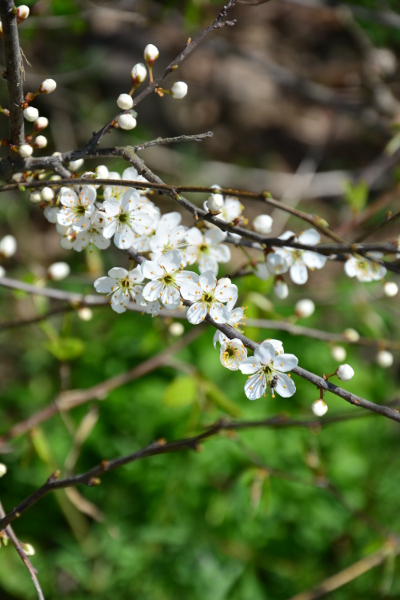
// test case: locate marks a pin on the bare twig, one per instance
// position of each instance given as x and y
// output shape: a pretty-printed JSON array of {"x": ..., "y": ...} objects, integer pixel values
[
  {"x": 14, "y": 71},
  {"x": 16, "y": 543}
]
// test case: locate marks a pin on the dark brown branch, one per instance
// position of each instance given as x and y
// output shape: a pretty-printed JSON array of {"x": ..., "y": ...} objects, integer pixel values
[
  {"x": 14, "y": 71},
  {"x": 16, "y": 543},
  {"x": 190, "y": 46}
]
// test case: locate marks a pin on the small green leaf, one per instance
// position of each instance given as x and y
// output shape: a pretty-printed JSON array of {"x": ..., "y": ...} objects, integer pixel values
[
  {"x": 180, "y": 392},
  {"x": 356, "y": 195},
  {"x": 66, "y": 348}
]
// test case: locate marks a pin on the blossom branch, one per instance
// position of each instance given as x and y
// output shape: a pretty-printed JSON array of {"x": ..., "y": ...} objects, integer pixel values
[
  {"x": 218, "y": 23},
  {"x": 14, "y": 70}
]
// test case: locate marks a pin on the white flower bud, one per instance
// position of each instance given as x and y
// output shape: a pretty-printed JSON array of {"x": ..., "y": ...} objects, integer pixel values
[
  {"x": 139, "y": 73},
  {"x": 304, "y": 308},
  {"x": 28, "y": 549},
  {"x": 262, "y": 224},
  {"x": 31, "y": 113},
  {"x": 50, "y": 213},
  {"x": 17, "y": 177},
  {"x": 224, "y": 281},
  {"x": 8, "y": 246},
  {"x": 2, "y": 272},
  {"x": 102, "y": 172},
  {"x": 384, "y": 359},
  {"x": 319, "y": 408},
  {"x": 22, "y": 13},
  {"x": 75, "y": 165},
  {"x": 345, "y": 372},
  {"x": 55, "y": 177},
  {"x": 40, "y": 124},
  {"x": 351, "y": 334},
  {"x": 151, "y": 54},
  {"x": 124, "y": 101},
  {"x": 58, "y": 271},
  {"x": 40, "y": 142},
  {"x": 261, "y": 271},
  {"x": 85, "y": 313},
  {"x": 176, "y": 329},
  {"x": 25, "y": 150},
  {"x": 67, "y": 242},
  {"x": 338, "y": 353},
  {"x": 47, "y": 86},
  {"x": 126, "y": 121},
  {"x": 35, "y": 197},
  {"x": 281, "y": 289},
  {"x": 3, "y": 469},
  {"x": 215, "y": 202},
  {"x": 390, "y": 289},
  {"x": 179, "y": 90},
  {"x": 47, "y": 194}
]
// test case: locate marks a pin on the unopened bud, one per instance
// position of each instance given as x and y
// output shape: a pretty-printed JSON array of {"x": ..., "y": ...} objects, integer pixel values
[
  {"x": 47, "y": 194},
  {"x": 31, "y": 113},
  {"x": 304, "y": 308},
  {"x": 28, "y": 549},
  {"x": 40, "y": 142},
  {"x": 3, "y": 469},
  {"x": 215, "y": 202},
  {"x": 126, "y": 121},
  {"x": 25, "y": 151},
  {"x": 85, "y": 313},
  {"x": 345, "y": 372},
  {"x": 40, "y": 124},
  {"x": 75, "y": 165},
  {"x": 102, "y": 172},
  {"x": 338, "y": 353},
  {"x": 8, "y": 246},
  {"x": 138, "y": 73},
  {"x": 58, "y": 271},
  {"x": 384, "y": 359},
  {"x": 262, "y": 224},
  {"x": 22, "y": 13},
  {"x": 351, "y": 335},
  {"x": 35, "y": 197},
  {"x": 319, "y": 407},
  {"x": 281, "y": 289},
  {"x": 124, "y": 101},
  {"x": 151, "y": 54},
  {"x": 176, "y": 329},
  {"x": 390, "y": 289},
  {"x": 47, "y": 86},
  {"x": 179, "y": 90}
]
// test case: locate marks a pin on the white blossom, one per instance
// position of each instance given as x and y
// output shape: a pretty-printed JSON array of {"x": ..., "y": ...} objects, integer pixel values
[
  {"x": 40, "y": 142},
  {"x": 365, "y": 269},
  {"x": 77, "y": 209},
  {"x": 47, "y": 194},
  {"x": 319, "y": 408},
  {"x": 167, "y": 280},
  {"x": 8, "y": 246},
  {"x": 261, "y": 271},
  {"x": 235, "y": 317},
  {"x": 51, "y": 213},
  {"x": 93, "y": 234},
  {"x": 58, "y": 271},
  {"x": 31, "y": 113},
  {"x": 40, "y": 124},
  {"x": 75, "y": 165},
  {"x": 166, "y": 239},
  {"x": 209, "y": 298},
  {"x": 126, "y": 217},
  {"x": 304, "y": 308},
  {"x": 206, "y": 249},
  {"x": 296, "y": 260},
  {"x": 231, "y": 354},
  {"x": 3, "y": 469},
  {"x": 123, "y": 286},
  {"x": 215, "y": 202},
  {"x": 35, "y": 197},
  {"x": 351, "y": 335},
  {"x": 345, "y": 372},
  {"x": 85, "y": 313},
  {"x": 384, "y": 358},
  {"x": 267, "y": 368},
  {"x": 176, "y": 329},
  {"x": 102, "y": 172},
  {"x": 179, "y": 90},
  {"x": 125, "y": 101},
  {"x": 262, "y": 224}
]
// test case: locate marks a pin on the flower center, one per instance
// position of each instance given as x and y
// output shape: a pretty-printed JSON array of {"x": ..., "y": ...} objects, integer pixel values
[
  {"x": 203, "y": 248},
  {"x": 168, "y": 279},
  {"x": 208, "y": 298},
  {"x": 79, "y": 210},
  {"x": 123, "y": 218}
]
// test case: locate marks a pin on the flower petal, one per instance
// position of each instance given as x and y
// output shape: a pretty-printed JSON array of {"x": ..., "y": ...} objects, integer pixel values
[
  {"x": 285, "y": 386},
  {"x": 255, "y": 386},
  {"x": 285, "y": 362}
]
